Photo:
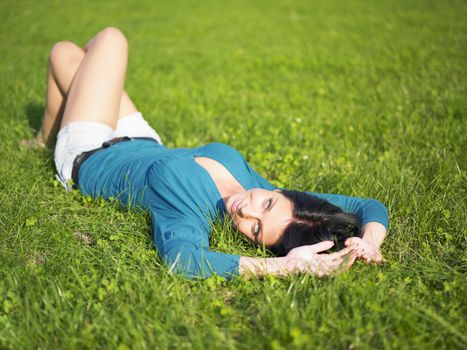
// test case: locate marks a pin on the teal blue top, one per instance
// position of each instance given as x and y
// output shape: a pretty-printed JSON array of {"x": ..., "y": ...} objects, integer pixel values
[{"x": 183, "y": 199}]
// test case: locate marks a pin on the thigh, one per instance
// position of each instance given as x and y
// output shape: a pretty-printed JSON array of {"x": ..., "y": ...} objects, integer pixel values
[
  {"x": 65, "y": 58},
  {"x": 97, "y": 87}
]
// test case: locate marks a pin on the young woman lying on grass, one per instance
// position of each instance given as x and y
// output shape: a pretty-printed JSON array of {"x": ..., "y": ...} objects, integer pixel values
[{"x": 105, "y": 148}]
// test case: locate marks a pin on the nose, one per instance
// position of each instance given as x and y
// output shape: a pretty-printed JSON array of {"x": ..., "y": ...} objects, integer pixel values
[{"x": 248, "y": 212}]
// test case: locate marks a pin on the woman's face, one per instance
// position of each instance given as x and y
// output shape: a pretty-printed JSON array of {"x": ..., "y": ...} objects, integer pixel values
[{"x": 259, "y": 214}]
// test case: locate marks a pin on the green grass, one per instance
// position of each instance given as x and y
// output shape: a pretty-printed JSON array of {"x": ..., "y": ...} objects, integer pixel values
[{"x": 364, "y": 98}]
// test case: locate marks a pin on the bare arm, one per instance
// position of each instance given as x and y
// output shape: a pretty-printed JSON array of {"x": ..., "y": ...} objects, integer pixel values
[
  {"x": 374, "y": 233},
  {"x": 250, "y": 267},
  {"x": 300, "y": 259}
]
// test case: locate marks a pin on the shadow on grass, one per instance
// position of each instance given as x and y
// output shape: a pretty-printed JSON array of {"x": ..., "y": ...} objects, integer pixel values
[{"x": 34, "y": 112}]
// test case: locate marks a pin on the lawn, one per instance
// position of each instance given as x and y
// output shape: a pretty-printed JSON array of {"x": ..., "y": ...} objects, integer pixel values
[{"x": 363, "y": 98}]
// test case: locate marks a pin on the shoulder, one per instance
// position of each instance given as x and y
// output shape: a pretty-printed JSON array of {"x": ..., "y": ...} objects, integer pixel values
[{"x": 222, "y": 151}]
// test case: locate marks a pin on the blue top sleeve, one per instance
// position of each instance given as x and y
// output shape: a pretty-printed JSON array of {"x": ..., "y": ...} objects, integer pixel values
[
  {"x": 367, "y": 210},
  {"x": 185, "y": 249}
]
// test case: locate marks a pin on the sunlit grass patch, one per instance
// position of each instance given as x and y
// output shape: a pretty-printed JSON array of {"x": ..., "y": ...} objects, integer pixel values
[{"x": 359, "y": 98}]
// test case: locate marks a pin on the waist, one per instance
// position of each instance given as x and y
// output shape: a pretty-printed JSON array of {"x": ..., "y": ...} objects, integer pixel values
[{"x": 80, "y": 159}]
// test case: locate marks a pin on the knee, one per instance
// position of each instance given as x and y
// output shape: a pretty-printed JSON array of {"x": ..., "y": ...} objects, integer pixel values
[
  {"x": 65, "y": 52},
  {"x": 113, "y": 36}
]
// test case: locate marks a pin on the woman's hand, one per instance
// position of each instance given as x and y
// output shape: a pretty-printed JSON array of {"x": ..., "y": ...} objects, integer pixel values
[
  {"x": 300, "y": 259},
  {"x": 306, "y": 259},
  {"x": 365, "y": 250}
]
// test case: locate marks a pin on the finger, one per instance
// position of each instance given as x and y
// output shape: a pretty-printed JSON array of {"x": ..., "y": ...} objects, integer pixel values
[
  {"x": 322, "y": 246},
  {"x": 365, "y": 256},
  {"x": 378, "y": 259},
  {"x": 335, "y": 263},
  {"x": 331, "y": 256},
  {"x": 337, "y": 258},
  {"x": 339, "y": 266},
  {"x": 370, "y": 258},
  {"x": 343, "y": 252},
  {"x": 351, "y": 240},
  {"x": 347, "y": 262},
  {"x": 327, "y": 265}
]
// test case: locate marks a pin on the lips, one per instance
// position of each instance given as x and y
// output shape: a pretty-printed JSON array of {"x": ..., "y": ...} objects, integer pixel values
[{"x": 236, "y": 204}]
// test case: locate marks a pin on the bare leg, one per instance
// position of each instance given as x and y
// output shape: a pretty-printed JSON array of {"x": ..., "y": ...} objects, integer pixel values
[
  {"x": 64, "y": 61},
  {"x": 53, "y": 111},
  {"x": 97, "y": 87}
]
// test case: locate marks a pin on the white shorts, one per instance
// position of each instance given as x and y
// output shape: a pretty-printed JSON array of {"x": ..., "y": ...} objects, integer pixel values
[{"x": 78, "y": 137}]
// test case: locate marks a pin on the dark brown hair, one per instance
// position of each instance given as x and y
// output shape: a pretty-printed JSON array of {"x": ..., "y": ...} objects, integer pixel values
[{"x": 316, "y": 220}]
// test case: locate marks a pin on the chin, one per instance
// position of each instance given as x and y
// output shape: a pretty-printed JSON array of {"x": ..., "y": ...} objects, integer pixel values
[{"x": 228, "y": 205}]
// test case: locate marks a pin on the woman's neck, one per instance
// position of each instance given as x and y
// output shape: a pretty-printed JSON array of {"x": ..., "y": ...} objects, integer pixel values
[{"x": 225, "y": 182}]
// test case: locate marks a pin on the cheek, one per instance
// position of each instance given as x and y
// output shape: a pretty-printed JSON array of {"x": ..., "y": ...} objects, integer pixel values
[
  {"x": 269, "y": 238},
  {"x": 243, "y": 227}
]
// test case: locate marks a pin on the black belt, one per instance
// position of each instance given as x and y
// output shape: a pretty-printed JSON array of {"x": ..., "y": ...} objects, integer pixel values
[{"x": 79, "y": 160}]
